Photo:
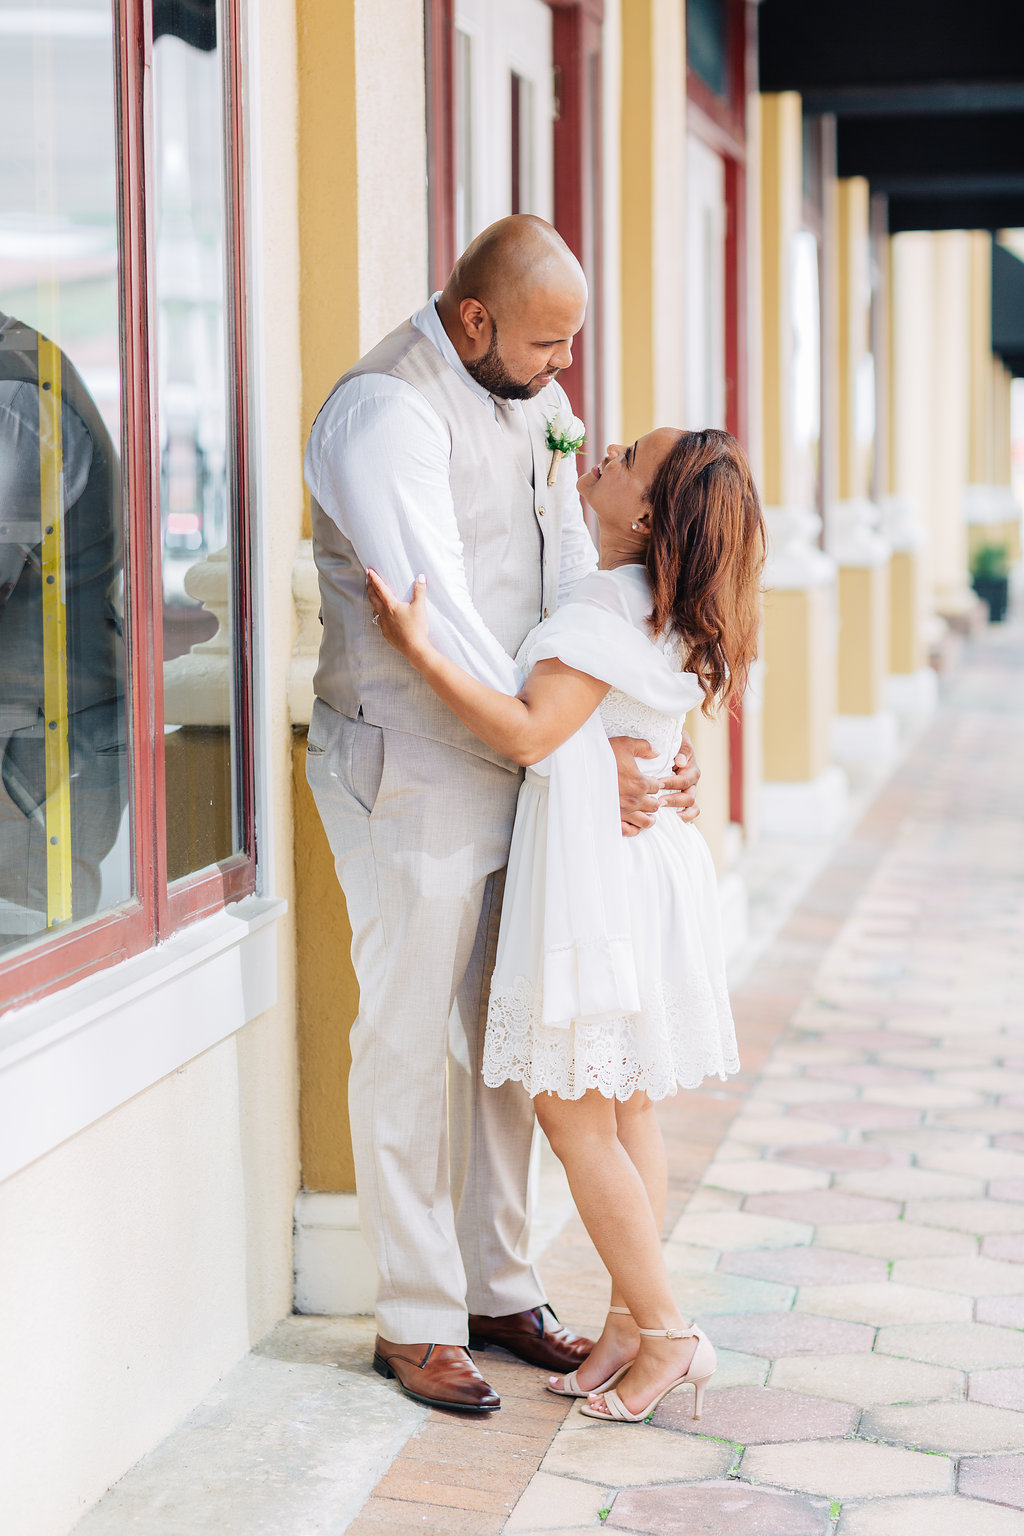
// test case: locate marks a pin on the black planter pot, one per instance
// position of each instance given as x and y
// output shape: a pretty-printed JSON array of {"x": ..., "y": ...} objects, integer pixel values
[{"x": 995, "y": 591}]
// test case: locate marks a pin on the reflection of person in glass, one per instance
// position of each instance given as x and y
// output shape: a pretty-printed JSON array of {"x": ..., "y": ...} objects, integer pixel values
[{"x": 93, "y": 781}]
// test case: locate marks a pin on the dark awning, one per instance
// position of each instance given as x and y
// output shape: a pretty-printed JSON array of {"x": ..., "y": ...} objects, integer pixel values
[
  {"x": 1008, "y": 308},
  {"x": 928, "y": 97}
]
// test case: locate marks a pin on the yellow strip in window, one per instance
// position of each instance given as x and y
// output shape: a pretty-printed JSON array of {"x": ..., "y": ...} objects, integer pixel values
[{"x": 55, "y": 637}]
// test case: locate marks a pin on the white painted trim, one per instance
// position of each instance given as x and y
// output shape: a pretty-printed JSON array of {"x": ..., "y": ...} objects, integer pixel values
[
  {"x": 334, "y": 1270},
  {"x": 262, "y": 703},
  {"x": 869, "y": 741},
  {"x": 815, "y": 809},
  {"x": 912, "y": 695},
  {"x": 69, "y": 1059}
]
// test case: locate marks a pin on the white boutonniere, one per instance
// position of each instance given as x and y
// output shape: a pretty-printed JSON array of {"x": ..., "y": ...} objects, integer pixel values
[{"x": 566, "y": 434}]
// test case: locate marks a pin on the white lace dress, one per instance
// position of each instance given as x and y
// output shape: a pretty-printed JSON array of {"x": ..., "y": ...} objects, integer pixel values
[{"x": 628, "y": 990}]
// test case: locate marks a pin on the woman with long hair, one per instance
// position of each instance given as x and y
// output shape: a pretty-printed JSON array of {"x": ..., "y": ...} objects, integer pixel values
[{"x": 609, "y": 986}]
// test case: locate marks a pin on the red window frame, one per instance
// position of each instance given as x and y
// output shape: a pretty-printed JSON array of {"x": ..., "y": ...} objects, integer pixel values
[
  {"x": 721, "y": 123},
  {"x": 157, "y": 910}
]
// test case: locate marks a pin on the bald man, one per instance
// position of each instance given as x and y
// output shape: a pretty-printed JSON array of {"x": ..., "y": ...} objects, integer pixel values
[{"x": 429, "y": 456}]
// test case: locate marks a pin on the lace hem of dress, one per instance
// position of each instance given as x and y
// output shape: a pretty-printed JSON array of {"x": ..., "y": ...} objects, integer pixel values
[{"x": 681, "y": 1036}]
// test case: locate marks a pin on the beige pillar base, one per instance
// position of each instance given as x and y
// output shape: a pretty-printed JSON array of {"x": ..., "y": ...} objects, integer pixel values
[{"x": 335, "y": 1275}]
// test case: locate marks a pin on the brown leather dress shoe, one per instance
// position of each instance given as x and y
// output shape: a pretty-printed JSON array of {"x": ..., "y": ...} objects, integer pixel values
[
  {"x": 535, "y": 1336},
  {"x": 440, "y": 1375}
]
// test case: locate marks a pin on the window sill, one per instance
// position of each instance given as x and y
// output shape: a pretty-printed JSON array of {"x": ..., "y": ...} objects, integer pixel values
[{"x": 74, "y": 1056}]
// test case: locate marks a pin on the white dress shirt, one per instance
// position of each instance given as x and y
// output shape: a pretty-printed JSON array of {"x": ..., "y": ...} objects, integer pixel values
[{"x": 377, "y": 463}]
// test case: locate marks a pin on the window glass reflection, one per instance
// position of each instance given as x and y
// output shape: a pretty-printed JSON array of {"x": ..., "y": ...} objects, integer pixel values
[
  {"x": 194, "y": 416},
  {"x": 64, "y": 837}
]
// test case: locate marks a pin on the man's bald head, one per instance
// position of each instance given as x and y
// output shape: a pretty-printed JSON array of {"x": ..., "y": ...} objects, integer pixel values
[
  {"x": 512, "y": 305},
  {"x": 510, "y": 262}
]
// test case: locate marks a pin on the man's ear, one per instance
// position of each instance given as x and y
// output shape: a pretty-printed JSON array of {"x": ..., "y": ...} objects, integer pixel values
[{"x": 475, "y": 319}]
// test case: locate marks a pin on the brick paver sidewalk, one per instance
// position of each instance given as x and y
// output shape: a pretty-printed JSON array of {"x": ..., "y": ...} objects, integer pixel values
[{"x": 855, "y": 1247}]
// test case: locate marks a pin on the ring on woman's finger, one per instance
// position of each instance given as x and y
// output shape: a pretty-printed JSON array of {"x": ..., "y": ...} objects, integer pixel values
[{"x": 376, "y": 619}]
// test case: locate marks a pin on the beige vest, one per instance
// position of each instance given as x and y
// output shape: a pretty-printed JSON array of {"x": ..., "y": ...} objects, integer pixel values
[{"x": 511, "y": 537}]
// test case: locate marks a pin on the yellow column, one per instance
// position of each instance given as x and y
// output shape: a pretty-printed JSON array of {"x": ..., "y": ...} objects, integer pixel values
[
  {"x": 864, "y": 730},
  {"x": 363, "y": 253},
  {"x": 653, "y": 150},
  {"x": 802, "y": 793}
]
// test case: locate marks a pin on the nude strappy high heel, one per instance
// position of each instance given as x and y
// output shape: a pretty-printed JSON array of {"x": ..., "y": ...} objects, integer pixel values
[
  {"x": 699, "y": 1372},
  {"x": 570, "y": 1384}
]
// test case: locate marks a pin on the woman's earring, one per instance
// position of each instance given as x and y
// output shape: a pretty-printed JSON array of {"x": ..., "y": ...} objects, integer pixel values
[{"x": 635, "y": 527}]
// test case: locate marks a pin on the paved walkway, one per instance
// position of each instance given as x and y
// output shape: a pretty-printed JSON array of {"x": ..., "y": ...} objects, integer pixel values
[{"x": 847, "y": 1222}]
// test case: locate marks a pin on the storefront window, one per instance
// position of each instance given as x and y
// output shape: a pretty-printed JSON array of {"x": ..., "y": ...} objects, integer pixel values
[
  {"x": 194, "y": 406},
  {"x": 125, "y": 700},
  {"x": 65, "y": 840}
]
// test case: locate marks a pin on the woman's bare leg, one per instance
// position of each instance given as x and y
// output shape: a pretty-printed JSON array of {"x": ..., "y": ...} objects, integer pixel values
[{"x": 611, "y": 1196}]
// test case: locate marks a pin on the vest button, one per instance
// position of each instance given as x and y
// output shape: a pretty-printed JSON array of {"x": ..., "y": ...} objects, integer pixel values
[
  {"x": 540, "y": 511},
  {"x": 544, "y": 614}
]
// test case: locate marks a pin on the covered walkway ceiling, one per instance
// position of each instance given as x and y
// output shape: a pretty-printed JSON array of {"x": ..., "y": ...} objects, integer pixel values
[{"x": 928, "y": 97}]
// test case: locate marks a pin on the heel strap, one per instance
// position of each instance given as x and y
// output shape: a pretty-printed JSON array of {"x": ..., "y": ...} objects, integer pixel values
[
  {"x": 622, "y": 1311},
  {"x": 669, "y": 1333}
]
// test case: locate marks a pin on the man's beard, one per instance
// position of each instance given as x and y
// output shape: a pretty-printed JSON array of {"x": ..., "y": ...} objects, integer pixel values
[{"x": 490, "y": 371}]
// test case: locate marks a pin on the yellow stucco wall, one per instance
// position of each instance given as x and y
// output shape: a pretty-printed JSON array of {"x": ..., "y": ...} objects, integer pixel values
[
  {"x": 905, "y": 648},
  {"x": 799, "y": 683},
  {"x": 363, "y": 239},
  {"x": 863, "y": 637}
]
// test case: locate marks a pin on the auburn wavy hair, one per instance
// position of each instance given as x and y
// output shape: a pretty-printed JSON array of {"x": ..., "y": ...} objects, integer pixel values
[{"x": 705, "y": 557}]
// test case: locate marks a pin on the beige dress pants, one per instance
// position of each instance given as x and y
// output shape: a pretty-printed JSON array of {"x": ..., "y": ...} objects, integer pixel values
[{"x": 420, "y": 834}]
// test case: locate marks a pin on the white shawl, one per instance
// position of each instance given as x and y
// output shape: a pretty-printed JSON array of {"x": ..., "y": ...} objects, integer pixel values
[{"x": 589, "y": 970}]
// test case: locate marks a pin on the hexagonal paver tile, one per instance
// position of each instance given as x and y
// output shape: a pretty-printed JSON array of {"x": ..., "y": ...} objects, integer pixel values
[
  {"x": 837, "y": 1158},
  {"x": 820, "y": 1206},
  {"x": 981, "y": 1217},
  {"x": 804, "y": 1266},
  {"x": 983, "y": 1163},
  {"x": 847, "y": 1469},
  {"x": 710, "y": 1201},
  {"x": 1000, "y": 1311},
  {"x": 758, "y": 1416},
  {"x": 718, "y": 1509},
  {"x": 968, "y": 1276},
  {"x": 687, "y": 1259},
  {"x": 779, "y": 1130},
  {"x": 730, "y": 1293},
  {"x": 617, "y": 1455},
  {"x": 1006, "y": 1189},
  {"x": 776, "y": 1334},
  {"x": 926, "y": 1096},
  {"x": 991, "y": 1119},
  {"x": 952, "y": 1428},
  {"x": 936, "y": 1517},
  {"x": 883, "y": 1040},
  {"x": 867, "y": 1378},
  {"x": 868, "y": 1074},
  {"x": 1000, "y": 1389},
  {"x": 992, "y": 1079},
  {"x": 1012, "y": 1141},
  {"x": 895, "y": 1239},
  {"x": 736, "y": 1369},
  {"x": 880, "y": 1305},
  {"x": 552, "y": 1503},
  {"x": 738, "y": 1229},
  {"x": 757, "y": 1177},
  {"x": 928, "y": 1138},
  {"x": 801, "y": 1090},
  {"x": 1006, "y": 1246},
  {"x": 963, "y": 1346},
  {"x": 860, "y": 1114},
  {"x": 909, "y": 1184},
  {"x": 999, "y": 1478}
]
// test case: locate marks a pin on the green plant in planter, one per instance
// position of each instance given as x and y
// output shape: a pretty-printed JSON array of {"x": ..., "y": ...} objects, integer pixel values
[{"x": 990, "y": 562}]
